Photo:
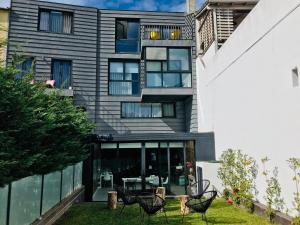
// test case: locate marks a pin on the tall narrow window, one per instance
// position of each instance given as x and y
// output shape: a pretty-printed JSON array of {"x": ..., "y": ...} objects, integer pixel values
[
  {"x": 25, "y": 67},
  {"x": 55, "y": 21},
  {"x": 124, "y": 78},
  {"x": 295, "y": 77},
  {"x": 127, "y": 36},
  {"x": 61, "y": 73}
]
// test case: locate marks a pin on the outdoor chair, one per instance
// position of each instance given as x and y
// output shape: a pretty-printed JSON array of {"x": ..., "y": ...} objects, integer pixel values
[
  {"x": 197, "y": 189},
  {"x": 127, "y": 197},
  {"x": 201, "y": 205},
  {"x": 151, "y": 205}
]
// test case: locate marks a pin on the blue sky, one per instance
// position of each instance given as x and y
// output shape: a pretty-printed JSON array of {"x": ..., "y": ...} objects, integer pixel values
[{"x": 148, "y": 5}]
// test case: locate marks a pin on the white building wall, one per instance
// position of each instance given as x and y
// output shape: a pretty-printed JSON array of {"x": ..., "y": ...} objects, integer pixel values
[{"x": 246, "y": 93}]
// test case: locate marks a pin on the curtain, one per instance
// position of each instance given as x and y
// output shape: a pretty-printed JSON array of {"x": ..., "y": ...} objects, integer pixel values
[
  {"x": 56, "y": 22},
  {"x": 66, "y": 75},
  {"x": 44, "y": 21},
  {"x": 67, "y": 23},
  {"x": 156, "y": 110},
  {"x": 56, "y": 73},
  {"x": 141, "y": 110}
]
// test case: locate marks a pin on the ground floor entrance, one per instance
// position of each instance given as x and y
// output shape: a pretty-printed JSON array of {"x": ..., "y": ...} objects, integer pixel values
[{"x": 142, "y": 166}]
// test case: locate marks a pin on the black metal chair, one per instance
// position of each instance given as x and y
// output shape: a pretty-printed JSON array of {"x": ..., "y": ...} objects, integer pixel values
[
  {"x": 127, "y": 197},
  {"x": 201, "y": 205},
  {"x": 151, "y": 205},
  {"x": 197, "y": 189}
]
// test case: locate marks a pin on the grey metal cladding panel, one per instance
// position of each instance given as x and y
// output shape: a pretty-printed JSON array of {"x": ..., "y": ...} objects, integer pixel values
[
  {"x": 108, "y": 108},
  {"x": 205, "y": 147},
  {"x": 80, "y": 47}
]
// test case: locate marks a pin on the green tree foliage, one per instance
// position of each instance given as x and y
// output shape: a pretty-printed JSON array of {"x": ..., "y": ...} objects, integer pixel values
[
  {"x": 238, "y": 172},
  {"x": 39, "y": 133}
]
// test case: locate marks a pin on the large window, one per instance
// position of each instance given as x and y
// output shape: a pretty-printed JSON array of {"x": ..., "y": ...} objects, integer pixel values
[
  {"x": 124, "y": 78},
  {"x": 55, "y": 21},
  {"x": 25, "y": 67},
  {"x": 168, "y": 67},
  {"x": 61, "y": 73},
  {"x": 127, "y": 36},
  {"x": 147, "y": 110}
]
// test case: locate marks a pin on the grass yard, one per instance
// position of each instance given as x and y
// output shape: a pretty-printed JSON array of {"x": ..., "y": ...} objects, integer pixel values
[{"x": 96, "y": 214}]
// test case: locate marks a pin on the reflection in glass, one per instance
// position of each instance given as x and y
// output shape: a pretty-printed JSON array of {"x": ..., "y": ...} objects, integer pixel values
[
  {"x": 154, "y": 80},
  {"x": 156, "y": 53},
  {"x": 179, "y": 59},
  {"x": 67, "y": 182},
  {"x": 3, "y": 204},
  {"x": 25, "y": 200},
  {"x": 78, "y": 175},
  {"x": 171, "y": 80},
  {"x": 51, "y": 192}
]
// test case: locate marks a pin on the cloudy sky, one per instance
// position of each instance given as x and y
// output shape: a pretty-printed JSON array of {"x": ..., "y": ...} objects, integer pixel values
[{"x": 148, "y": 5}]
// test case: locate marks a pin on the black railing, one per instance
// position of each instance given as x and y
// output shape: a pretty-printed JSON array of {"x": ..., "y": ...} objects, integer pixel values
[{"x": 166, "y": 32}]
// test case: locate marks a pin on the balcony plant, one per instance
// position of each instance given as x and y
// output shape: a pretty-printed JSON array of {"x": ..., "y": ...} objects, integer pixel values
[
  {"x": 272, "y": 196},
  {"x": 238, "y": 172},
  {"x": 294, "y": 164}
]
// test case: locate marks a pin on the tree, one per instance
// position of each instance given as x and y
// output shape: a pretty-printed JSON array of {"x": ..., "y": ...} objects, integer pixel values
[{"x": 39, "y": 133}]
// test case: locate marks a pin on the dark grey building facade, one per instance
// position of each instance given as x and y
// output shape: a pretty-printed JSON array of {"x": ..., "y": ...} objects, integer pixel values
[{"x": 135, "y": 74}]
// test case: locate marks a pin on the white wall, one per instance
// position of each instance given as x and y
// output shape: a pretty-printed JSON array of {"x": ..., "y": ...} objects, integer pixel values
[{"x": 246, "y": 95}]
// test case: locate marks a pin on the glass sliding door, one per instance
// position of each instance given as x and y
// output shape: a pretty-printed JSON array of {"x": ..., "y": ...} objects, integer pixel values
[
  {"x": 151, "y": 166},
  {"x": 177, "y": 168},
  {"x": 129, "y": 169}
]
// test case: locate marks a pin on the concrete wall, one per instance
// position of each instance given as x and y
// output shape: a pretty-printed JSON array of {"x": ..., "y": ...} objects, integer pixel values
[
  {"x": 4, "y": 23},
  {"x": 246, "y": 94}
]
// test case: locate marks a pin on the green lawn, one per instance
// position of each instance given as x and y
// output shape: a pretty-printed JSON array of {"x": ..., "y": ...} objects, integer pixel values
[{"x": 96, "y": 214}]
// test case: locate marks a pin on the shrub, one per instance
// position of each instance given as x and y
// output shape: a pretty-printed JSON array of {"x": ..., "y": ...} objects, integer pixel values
[
  {"x": 273, "y": 191},
  {"x": 238, "y": 172},
  {"x": 39, "y": 133},
  {"x": 294, "y": 164}
]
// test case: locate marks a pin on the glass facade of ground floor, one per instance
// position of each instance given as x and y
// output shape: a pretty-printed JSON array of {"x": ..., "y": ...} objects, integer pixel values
[{"x": 143, "y": 166}]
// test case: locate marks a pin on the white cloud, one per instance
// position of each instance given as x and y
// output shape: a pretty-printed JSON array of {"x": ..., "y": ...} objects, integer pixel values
[{"x": 5, "y": 3}]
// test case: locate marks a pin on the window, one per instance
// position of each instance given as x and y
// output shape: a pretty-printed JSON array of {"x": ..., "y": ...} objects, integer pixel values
[
  {"x": 295, "y": 77},
  {"x": 148, "y": 110},
  {"x": 168, "y": 67},
  {"x": 127, "y": 36},
  {"x": 61, "y": 73},
  {"x": 55, "y": 21},
  {"x": 25, "y": 67},
  {"x": 124, "y": 78}
]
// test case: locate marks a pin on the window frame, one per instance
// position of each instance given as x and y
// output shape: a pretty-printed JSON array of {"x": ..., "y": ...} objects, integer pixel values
[
  {"x": 124, "y": 74},
  {"x": 71, "y": 71},
  {"x": 162, "y": 72},
  {"x": 49, "y": 11},
  {"x": 138, "y": 38},
  {"x": 162, "y": 110}
]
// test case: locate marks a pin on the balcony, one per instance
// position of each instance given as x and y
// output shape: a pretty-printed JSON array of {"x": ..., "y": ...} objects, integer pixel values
[{"x": 166, "y": 35}]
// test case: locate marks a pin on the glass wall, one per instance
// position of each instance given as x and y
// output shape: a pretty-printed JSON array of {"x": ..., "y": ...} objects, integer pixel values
[
  {"x": 143, "y": 166},
  {"x": 67, "y": 181},
  {"x": 51, "y": 191},
  {"x": 33, "y": 196},
  {"x": 3, "y": 204},
  {"x": 25, "y": 200}
]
